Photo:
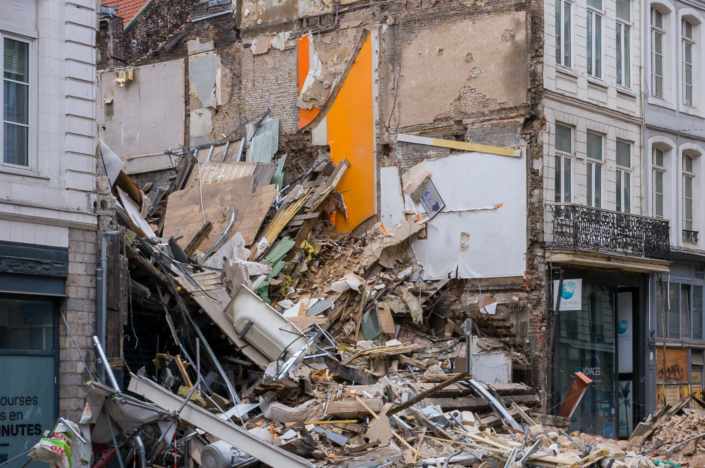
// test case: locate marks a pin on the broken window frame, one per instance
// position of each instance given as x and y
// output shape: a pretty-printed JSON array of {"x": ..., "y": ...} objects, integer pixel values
[
  {"x": 624, "y": 181},
  {"x": 595, "y": 173},
  {"x": 31, "y": 103},
  {"x": 659, "y": 172},
  {"x": 658, "y": 36},
  {"x": 563, "y": 170},
  {"x": 595, "y": 19},
  {"x": 623, "y": 48},
  {"x": 564, "y": 40}
]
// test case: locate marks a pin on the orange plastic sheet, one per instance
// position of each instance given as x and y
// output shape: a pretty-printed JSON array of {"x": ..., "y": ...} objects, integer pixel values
[{"x": 350, "y": 133}]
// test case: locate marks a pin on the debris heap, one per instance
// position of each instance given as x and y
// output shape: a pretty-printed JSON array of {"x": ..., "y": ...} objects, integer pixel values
[{"x": 275, "y": 339}]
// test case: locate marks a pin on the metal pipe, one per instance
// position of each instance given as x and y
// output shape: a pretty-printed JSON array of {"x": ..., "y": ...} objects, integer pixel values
[
  {"x": 101, "y": 353},
  {"x": 112, "y": 435},
  {"x": 102, "y": 291},
  {"x": 141, "y": 451}
]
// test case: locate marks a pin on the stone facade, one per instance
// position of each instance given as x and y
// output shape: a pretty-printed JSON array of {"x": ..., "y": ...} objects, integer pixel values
[{"x": 79, "y": 309}]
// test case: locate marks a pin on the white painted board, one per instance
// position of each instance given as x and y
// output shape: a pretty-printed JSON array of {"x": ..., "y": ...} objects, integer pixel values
[{"x": 470, "y": 184}]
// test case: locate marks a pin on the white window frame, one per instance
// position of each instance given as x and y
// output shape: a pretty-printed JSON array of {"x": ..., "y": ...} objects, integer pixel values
[
  {"x": 620, "y": 176},
  {"x": 31, "y": 167},
  {"x": 563, "y": 156},
  {"x": 590, "y": 15},
  {"x": 657, "y": 31},
  {"x": 688, "y": 41},
  {"x": 688, "y": 175},
  {"x": 592, "y": 165},
  {"x": 625, "y": 68},
  {"x": 655, "y": 169},
  {"x": 560, "y": 33}
]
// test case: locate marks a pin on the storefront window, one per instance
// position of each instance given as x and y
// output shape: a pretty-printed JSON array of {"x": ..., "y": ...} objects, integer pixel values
[
  {"x": 28, "y": 355},
  {"x": 588, "y": 345}
]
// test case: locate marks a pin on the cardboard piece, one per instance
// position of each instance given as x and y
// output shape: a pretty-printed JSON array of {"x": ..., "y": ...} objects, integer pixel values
[{"x": 184, "y": 218}]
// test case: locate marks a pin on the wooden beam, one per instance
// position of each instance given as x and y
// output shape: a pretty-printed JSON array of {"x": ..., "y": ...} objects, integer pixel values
[
  {"x": 198, "y": 239},
  {"x": 423, "y": 395}
]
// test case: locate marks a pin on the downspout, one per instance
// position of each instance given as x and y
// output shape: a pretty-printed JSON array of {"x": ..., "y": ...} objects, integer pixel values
[{"x": 101, "y": 292}]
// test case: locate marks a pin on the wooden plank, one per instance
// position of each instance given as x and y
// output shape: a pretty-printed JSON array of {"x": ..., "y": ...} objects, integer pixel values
[
  {"x": 182, "y": 369},
  {"x": 412, "y": 401},
  {"x": 183, "y": 214},
  {"x": 257, "y": 210},
  {"x": 477, "y": 403},
  {"x": 198, "y": 239},
  {"x": 676, "y": 365},
  {"x": 385, "y": 319}
]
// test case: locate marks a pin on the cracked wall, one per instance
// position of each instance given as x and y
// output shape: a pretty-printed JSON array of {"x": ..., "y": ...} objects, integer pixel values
[{"x": 455, "y": 69}]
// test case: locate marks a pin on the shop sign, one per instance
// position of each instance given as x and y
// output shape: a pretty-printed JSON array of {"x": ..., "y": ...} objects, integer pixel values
[{"x": 571, "y": 294}]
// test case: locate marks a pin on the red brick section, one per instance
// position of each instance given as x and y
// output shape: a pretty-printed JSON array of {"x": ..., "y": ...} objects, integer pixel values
[{"x": 126, "y": 9}]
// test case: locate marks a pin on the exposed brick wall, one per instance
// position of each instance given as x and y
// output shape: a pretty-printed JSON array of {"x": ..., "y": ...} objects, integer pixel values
[
  {"x": 79, "y": 308},
  {"x": 270, "y": 80}
]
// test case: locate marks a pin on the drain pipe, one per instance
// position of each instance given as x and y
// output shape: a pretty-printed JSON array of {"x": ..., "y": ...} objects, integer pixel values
[{"x": 102, "y": 292}]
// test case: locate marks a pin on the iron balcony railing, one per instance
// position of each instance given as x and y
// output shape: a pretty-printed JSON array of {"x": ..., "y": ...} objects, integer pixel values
[
  {"x": 690, "y": 236},
  {"x": 584, "y": 228}
]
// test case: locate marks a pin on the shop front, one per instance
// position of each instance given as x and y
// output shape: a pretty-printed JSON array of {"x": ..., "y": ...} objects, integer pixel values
[
  {"x": 677, "y": 333},
  {"x": 32, "y": 282},
  {"x": 599, "y": 332}
]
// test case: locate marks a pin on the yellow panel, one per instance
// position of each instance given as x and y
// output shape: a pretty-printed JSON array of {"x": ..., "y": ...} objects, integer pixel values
[{"x": 350, "y": 125}]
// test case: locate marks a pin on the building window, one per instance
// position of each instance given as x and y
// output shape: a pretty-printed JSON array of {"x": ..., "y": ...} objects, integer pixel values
[
  {"x": 594, "y": 170},
  {"x": 623, "y": 43},
  {"x": 659, "y": 171},
  {"x": 15, "y": 96},
  {"x": 564, "y": 161},
  {"x": 594, "y": 38},
  {"x": 624, "y": 177},
  {"x": 683, "y": 311},
  {"x": 563, "y": 32},
  {"x": 657, "y": 40},
  {"x": 688, "y": 179},
  {"x": 687, "y": 58}
]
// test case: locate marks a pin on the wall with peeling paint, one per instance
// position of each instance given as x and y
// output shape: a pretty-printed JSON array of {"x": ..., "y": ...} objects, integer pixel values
[
  {"x": 460, "y": 68},
  {"x": 148, "y": 114},
  {"x": 481, "y": 232}
]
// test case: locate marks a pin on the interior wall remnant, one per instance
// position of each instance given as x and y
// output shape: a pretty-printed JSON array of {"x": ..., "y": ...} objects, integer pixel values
[
  {"x": 450, "y": 70},
  {"x": 483, "y": 194},
  {"x": 257, "y": 13},
  {"x": 204, "y": 75},
  {"x": 146, "y": 116},
  {"x": 349, "y": 130}
]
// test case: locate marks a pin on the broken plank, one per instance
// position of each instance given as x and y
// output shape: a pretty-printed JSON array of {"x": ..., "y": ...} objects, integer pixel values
[
  {"x": 424, "y": 395},
  {"x": 198, "y": 239},
  {"x": 478, "y": 403}
]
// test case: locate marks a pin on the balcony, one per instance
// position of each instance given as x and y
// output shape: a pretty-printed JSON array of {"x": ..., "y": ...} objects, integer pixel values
[
  {"x": 576, "y": 227},
  {"x": 690, "y": 236}
]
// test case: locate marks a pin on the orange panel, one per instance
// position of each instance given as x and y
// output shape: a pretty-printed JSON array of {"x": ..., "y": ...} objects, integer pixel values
[
  {"x": 350, "y": 126},
  {"x": 305, "y": 116}
]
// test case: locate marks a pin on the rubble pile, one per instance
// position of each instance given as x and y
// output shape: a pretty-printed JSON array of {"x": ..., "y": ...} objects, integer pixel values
[
  {"x": 675, "y": 433},
  {"x": 286, "y": 343}
]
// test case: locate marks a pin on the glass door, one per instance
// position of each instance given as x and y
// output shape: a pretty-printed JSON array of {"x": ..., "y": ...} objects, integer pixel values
[
  {"x": 28, "y": 366},
  {"x": 588, "y": 344}
]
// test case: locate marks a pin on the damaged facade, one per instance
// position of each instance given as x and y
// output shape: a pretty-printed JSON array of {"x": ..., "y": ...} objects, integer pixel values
[{"x": 332, "y": 212}]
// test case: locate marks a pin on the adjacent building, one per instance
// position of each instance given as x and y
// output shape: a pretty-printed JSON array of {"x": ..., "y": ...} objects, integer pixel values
[
  {"x": 603, "y": 243},
  {"x": 674, "y": 143},
  {"x": 48, "y": 223}
]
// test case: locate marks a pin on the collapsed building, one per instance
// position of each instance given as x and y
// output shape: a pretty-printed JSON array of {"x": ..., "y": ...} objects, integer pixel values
[{"x": 313, "y": 201}]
